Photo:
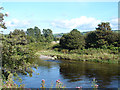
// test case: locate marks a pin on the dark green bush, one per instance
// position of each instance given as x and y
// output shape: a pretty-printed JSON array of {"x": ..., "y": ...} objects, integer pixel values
[{"x": 72, "y": 40}]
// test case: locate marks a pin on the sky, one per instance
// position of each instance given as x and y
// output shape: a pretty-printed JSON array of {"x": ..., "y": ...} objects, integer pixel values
[{"x": 60, "y": 17}]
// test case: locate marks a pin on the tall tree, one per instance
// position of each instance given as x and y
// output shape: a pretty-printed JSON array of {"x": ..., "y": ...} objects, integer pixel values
[
  {"x": 30, "y": 32},
  {"x": 101, "y": 36},
  {"x": 72, "y": 40},
  {"x": 34, "y": 33},
  {"x": 37, "y": 33},
  {"x": 48, "y": 35}
]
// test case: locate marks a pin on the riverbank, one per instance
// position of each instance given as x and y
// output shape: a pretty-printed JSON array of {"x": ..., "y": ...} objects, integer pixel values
[
  {"x": 95, "y": 57},
  {"x": 44, "y": 57}
]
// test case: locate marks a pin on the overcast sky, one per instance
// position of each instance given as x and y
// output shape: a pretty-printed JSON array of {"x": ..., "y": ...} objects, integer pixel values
[{"x": 61, "y": 17}]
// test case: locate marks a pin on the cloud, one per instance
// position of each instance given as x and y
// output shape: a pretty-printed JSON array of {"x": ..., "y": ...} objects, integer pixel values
[
  {"x": 82, "y": 23},
  {"x": 15, "y": 24},
  {"x": 114, "y": 23}
]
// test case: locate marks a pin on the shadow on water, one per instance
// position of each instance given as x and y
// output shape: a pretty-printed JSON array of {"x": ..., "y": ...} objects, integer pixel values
[{"x": 105, "y": 74}]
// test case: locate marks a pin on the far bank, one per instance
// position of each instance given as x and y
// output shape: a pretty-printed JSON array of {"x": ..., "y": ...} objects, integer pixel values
[{"x": 98, "y": 56}]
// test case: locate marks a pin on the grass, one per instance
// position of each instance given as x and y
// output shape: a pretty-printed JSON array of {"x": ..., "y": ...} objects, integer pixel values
[{"x": 95, "y": 57}]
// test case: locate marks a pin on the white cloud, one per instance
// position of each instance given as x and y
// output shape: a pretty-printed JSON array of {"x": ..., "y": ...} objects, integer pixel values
[
  {"x": 82, "y": 23},
  {"x": 15, "y": 23},
  {"x": 114, "y": 23}
]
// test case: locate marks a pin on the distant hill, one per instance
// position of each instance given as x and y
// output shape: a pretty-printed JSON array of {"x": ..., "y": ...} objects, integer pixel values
[{"x": 59, "y": 35}]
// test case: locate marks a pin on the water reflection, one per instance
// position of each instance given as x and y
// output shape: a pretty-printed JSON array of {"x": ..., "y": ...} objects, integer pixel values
[
  {"x": 73, "y": 74},
  {"x": 104, "y": 73}
]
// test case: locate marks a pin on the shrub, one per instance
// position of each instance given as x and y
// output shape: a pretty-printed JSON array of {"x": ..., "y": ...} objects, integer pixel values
[{"x": 72, "y": 40}]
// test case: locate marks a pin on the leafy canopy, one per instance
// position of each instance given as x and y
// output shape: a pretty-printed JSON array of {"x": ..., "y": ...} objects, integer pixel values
[
  {"x": 72, "y": 40},
  {"x": 102, "y": 36}
]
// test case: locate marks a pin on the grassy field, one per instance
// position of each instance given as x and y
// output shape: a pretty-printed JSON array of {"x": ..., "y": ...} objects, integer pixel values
[{"x": 95, "y": 57}]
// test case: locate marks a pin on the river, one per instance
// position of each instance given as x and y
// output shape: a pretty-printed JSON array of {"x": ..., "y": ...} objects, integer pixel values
[{"x": 73, "y": 74}]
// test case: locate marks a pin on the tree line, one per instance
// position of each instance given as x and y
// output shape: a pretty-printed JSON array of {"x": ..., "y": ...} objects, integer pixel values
[
  {"x": 102, "y": 37},
  {"x": 34, "y": 35}
]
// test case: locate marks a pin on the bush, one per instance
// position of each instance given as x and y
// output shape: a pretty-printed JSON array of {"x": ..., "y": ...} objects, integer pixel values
[
  {"x": 16, "y": 53},
  {"x": 72, "y": 40}
]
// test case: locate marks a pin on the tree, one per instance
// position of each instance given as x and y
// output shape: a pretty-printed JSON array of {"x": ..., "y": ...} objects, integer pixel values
[
  {"x": 48, "y": 35},
  {"x": 72, "y": 40},
  {"x": 17, "y": 37},
  {"x": 30, "y": 32},
  {"x": 101, "y": 36},
  {"x": 112, "y": 38},
  {"x": 37, "y": 33},
  {"x": 34, "y": 34},
  {"x": 16, "y": 54},
  {"x": 2, "y": 24},
  {"x": 104, "y": 26},
  {"x": 91, "y": 39},
  {"x": 118, "y": 44}
]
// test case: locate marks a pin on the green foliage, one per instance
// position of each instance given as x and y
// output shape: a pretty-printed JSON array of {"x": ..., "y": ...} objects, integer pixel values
[
  {"x": 39, "y": 46},
  {"x": 101, "y": 37},
  {"x": 2, "y": 24},
  {"x": 118, "y": 39},
  {"x": 91, "y": 51},
  {"x": 91, "y": 39},
  {"x": 104, "y": 26},
  {"x": 48, "y": 35},
  {"x": 10, "y": 83},
  {"x": 34, "y": 34},
  {"x": 99, "y": 55},
  {"x": 16, "y": 53},
  {"x": 56, "y": 39},
  {"x": 72, "y": 40},
  {"x": 17, "y": 37}
]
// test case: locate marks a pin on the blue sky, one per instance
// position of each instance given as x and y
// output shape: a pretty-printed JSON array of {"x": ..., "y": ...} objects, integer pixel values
[{"x": 61, "y": 17}]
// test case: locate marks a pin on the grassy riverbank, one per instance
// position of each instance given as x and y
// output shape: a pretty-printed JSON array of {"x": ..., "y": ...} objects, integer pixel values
[{"x": 102, "y": 57}]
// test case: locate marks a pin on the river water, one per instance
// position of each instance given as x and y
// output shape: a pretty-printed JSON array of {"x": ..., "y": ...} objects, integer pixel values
[{"x": 72, "y": 74}]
